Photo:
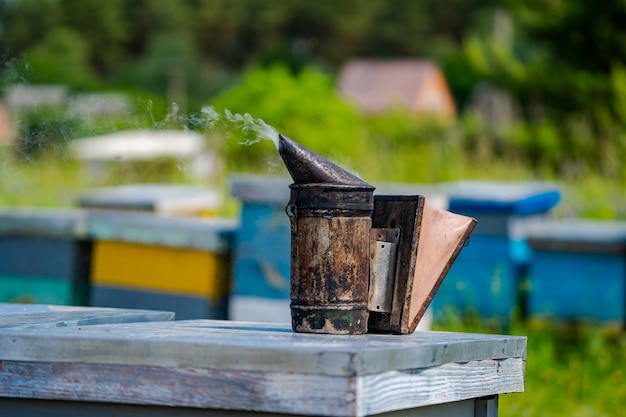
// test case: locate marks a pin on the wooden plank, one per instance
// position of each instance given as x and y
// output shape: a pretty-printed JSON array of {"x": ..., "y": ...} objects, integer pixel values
[
  {"x": 398, "y": 390},
  {"x": 174, "y": 270},
  {"x": 257, "y": 367},
  {"x": 277, "y": 392},
  {"x": 18, "y": 317},
  {"x": 179, "y": 387},
  {"x": 235, "y": 346}
]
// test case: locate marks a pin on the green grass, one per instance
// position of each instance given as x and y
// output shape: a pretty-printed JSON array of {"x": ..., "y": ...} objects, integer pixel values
[
  {"x": 53, "y": 180},
  {"x": 571, "y": 369},
  {"x": 45, "y": 182}
]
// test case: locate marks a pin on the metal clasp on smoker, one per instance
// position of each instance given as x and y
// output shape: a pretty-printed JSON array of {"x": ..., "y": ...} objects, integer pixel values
[{"x": 383, "y": 249}]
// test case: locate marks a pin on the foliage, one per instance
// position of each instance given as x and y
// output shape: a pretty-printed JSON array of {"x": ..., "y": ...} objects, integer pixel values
[
  {"x": 563, "y": 62},
  {"x": 62, "y": 58},
  {"x": 303, "y": 106},
  {"x": 170, "y": 67},
  {"x": 44, "y": 130},
  {"x": 569, "y": 87},
  {"x": 571, "y": 369},
  {"x": 235, "y": 34}
]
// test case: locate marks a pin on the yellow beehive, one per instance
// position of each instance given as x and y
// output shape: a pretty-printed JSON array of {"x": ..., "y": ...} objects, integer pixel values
[{"x": 148, "y": 261}]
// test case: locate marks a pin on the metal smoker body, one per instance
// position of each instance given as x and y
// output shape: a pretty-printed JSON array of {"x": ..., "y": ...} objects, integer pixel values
[
  {"x": 330, "y": 212},
  {"x": 354, "y": 255}
]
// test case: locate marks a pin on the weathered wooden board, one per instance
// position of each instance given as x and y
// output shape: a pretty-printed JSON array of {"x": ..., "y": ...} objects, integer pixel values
[
  {"x": 256, "y": 391},
  {"x": 248, "y": 346},
  {"x": 40, "y": 316},
  {"x": 263, "y": 368}
]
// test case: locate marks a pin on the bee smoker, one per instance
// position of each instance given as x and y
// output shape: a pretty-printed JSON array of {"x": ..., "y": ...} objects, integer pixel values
[{"x": 356, "y": 256}]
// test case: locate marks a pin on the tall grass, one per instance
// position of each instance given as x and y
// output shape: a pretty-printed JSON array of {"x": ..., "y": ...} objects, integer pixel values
[
  {"x": 571, "y": 369},
  {"x": 56, "y": 180},
  {"x": 49, "y": 181}
]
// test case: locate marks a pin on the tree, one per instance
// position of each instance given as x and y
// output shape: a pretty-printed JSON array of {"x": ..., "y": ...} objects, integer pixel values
[
  {"x": 561, "y": 60},
  {"x": 103, "y": 26},
  {"x": 62, "y": 58}
]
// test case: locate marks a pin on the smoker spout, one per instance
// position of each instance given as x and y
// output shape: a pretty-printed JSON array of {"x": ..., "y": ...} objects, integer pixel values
[{"x": 306, "y": 167}]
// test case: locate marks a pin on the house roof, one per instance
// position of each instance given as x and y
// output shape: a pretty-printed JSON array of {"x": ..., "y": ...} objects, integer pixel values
[
  {"x": 377, "y": 84},
  {"x": 7, "y": 129}
]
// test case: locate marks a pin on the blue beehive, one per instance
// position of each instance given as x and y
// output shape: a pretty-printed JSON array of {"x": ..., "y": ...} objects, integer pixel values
[
  {"x": 578, "y": 270},
  {"x": 260, "y": 290},
  {"x": 486, "y": 276},
  {"x": 45, "y": 257}
]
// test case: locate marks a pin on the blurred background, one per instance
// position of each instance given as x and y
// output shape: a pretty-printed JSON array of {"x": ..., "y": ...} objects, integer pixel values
[{"x": 424, "y": 93}]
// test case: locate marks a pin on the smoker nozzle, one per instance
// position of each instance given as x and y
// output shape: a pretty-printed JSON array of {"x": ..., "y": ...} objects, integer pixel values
[{"x": 307, "y": 167}]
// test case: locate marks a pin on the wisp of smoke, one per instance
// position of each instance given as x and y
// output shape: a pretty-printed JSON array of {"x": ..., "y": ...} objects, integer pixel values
[{"x": 252, "y": 130}]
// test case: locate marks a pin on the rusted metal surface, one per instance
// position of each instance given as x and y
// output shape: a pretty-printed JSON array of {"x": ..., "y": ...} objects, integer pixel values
[
  {"x": 329, "y": 269},
  {"x": 307, "y": 167},
  {"x": 330, "y": 212}
]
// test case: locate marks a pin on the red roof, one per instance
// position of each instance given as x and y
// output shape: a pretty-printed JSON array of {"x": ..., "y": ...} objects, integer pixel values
[{"x": 377, "y": 85}]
